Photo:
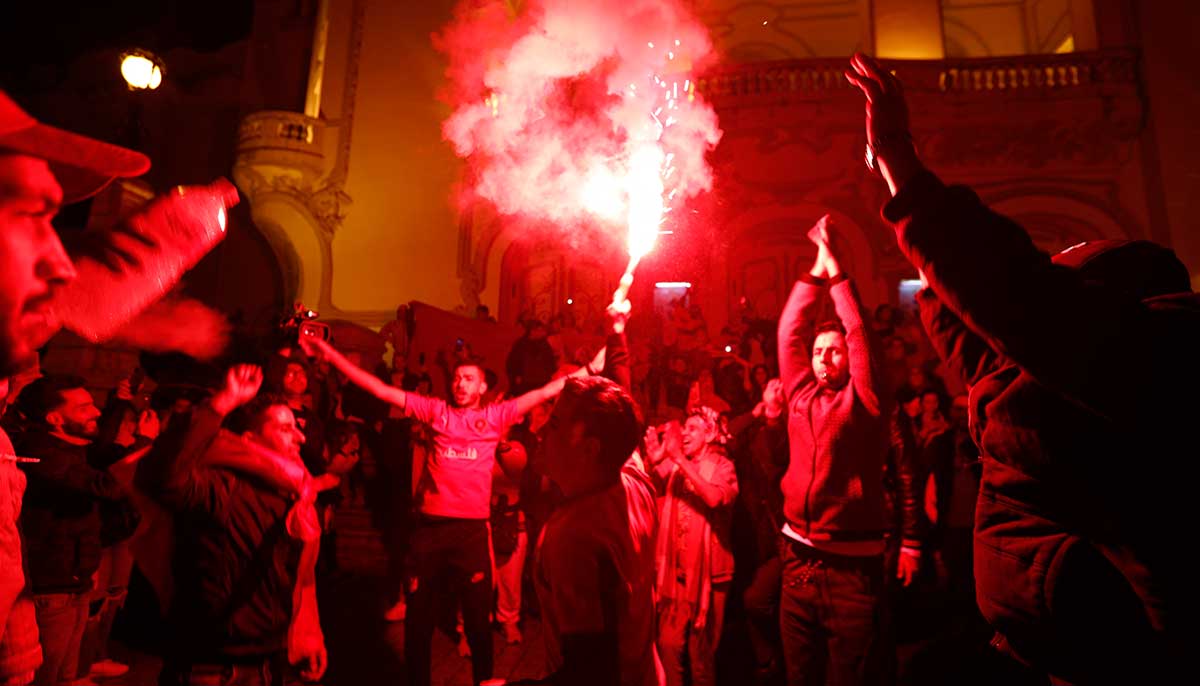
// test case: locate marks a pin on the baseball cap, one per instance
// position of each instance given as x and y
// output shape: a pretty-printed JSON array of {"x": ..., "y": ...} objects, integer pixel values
[
  {"x": 1138, "y": 267},
  {"x": 82, "y": 165}
]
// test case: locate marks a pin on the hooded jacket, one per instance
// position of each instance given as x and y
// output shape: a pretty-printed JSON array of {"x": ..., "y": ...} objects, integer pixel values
[{"x": 1082, "y": 395}]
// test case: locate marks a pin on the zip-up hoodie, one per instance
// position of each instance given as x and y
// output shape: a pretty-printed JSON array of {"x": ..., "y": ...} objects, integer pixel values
[{"x": 833, "y": 488}]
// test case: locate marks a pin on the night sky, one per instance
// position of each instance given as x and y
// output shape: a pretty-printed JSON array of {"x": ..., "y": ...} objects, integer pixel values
[{"x": 39, "y": 38}]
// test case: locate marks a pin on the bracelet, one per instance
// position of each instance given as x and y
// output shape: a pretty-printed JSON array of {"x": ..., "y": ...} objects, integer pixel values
[
  {"x": 872, "y": 155},
  {"x": 588, "y": 368}
]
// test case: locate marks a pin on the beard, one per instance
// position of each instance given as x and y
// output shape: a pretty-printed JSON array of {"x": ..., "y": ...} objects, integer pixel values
[{"x": 87, "y": 429}]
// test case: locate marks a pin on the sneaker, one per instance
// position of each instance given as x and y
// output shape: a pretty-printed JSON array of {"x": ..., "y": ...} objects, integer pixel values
[
  {"x": 107, "y": 669},
  {"x": 397, "y": 612},
  {"x": 512, "y": 634},
  {"x": 464, "y": 648}
]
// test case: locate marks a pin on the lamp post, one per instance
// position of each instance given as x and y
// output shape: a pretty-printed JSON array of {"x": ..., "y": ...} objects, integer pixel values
[
  {"x": 141, "y": 69},
  {"x": 143, "y": 72}
]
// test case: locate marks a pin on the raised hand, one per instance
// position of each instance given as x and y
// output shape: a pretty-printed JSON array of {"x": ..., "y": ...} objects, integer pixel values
[
  {"x": 314, "y": 347},
  {"x": 825, "y": 265},
  {"x": 241, "y": 385},
  {"x": 890, "y": 150},
  {"x": 673, "y": 441},
  {"x": 772, "y": 398},
  {"x": 147, "y": 425},
  {"x": 654, "y": 447},
  {"x": 887, "y": 110},
  {"x": 618, "y": 316}
]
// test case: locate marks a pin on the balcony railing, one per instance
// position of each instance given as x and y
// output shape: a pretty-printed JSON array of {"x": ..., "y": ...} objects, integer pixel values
[
  {"x": 820, "y": 79},
  {"x": 278, "y": 130}
]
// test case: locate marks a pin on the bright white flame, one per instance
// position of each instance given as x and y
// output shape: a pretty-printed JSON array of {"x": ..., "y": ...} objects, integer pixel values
[
  {"x": 140, "y": 72},
  {"x": 602, "y": 195},
  {"x": 644, "y": 184},
  {"x": 673, "y": 284},
  {"x": 221, "y": 218},
  {"x": 570, "y": 301}
]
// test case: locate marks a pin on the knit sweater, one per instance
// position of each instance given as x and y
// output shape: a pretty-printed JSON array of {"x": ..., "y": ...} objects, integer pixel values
[{"x": 833, "y": 487}]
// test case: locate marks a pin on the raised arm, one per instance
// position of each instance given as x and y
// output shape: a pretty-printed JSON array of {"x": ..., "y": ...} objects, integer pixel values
[
  {"x": 1046, "y": 318},
  {"x": 861, "y": 347},
  {"x": 536, "y": 397},
  {"x": 616, "y": 349},
  {"x": 718, "y": 491},
  {"x": 798, "y": 321},
  {"x": 358, "y": 376},
  {"x": 965, "y": 353}
]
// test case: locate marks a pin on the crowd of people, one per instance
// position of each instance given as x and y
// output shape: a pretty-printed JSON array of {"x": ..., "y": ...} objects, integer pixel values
[{"x": 807, "y": 496}]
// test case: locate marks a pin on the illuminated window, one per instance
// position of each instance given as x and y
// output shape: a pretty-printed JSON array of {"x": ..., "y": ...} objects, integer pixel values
[{"x": 989, "y": 28}]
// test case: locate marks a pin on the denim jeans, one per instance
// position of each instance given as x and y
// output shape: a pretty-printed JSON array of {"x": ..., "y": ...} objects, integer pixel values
[
  {"x": 832, "y": 618},
  {"x": 112, "y": 585},
  {"x": 61, "y": 618}
]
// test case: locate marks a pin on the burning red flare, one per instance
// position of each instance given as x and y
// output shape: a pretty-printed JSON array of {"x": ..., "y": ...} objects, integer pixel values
[{"x": 581, "y": 110}]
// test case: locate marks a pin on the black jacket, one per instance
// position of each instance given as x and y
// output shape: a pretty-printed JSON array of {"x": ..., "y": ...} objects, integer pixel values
[
  {"x": 234, "y": 563},
  {"x": 1082, "y": 401},
  {"x": 60, "y": 518}
]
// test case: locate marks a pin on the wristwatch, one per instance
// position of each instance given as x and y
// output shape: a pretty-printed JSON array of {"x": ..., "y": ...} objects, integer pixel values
[{"x": 881, "y": 144}]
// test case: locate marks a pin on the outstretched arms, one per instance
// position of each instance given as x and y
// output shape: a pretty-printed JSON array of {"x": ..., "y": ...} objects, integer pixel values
[{"x": 357, "y": 375}]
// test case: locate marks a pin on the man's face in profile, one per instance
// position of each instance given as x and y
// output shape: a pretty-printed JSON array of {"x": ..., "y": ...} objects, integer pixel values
[{"x": 33, "y": 264}]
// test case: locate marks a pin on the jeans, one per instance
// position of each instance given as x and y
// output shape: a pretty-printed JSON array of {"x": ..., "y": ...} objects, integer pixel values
[
  {"x": 832, "y": 619},
  {"x": 61, "y": 618},
  {"x": 111, "y": 587},
  {"x": 455, "y": 552},
  {"x": 269, "y": 672}
]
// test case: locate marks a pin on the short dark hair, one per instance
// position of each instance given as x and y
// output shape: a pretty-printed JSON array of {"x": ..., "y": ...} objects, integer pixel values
[
  {"x": 469, "y": 362},
  {"x": 45, "y": 394},
  {"x": 277, "y": 367},
  {"x": 251, "y": 416},
  {"x": 608, "y": 414},
  {"x": 827, "y": 326}
]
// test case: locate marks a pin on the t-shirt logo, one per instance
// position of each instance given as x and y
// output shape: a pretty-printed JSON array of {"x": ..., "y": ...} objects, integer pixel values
[
  {"x": 480, "y": 424},
  {"x": 467, "y": 454}
]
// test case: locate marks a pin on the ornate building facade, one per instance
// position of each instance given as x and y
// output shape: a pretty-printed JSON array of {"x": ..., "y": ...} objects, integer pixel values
[{"x": 1039, "y": 105}]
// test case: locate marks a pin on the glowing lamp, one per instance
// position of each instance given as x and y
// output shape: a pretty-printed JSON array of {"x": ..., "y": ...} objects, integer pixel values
[{"x": 141, "y": 70}]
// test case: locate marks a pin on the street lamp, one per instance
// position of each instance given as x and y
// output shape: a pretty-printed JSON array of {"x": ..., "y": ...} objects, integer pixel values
[{"x": 141, "y": 69}]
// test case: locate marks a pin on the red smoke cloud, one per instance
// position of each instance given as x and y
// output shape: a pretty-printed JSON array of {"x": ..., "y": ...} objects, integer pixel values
[{"x": 569, "y": 109}]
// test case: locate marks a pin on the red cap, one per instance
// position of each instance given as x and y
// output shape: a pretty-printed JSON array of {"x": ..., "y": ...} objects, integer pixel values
[{"x": 82, "y": 165}]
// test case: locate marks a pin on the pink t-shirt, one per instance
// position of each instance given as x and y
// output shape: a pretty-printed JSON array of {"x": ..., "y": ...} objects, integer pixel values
[
  {"x": 457, "y": 481},
  {"x": 595, "y": 574}
]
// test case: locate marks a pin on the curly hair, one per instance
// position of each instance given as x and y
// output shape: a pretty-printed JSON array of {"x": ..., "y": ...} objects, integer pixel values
[{"x": 712, "y": 421}]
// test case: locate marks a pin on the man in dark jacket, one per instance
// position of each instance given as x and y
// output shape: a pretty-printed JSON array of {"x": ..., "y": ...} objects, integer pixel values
[
  {"x": 838, "y": 421},
  {"x": 245, "y": 601},
  {"x": 1075, "y": 365},
  {"x": 60, "y": 521}
]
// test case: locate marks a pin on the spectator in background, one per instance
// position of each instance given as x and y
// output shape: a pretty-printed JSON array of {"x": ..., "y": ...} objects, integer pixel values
[
  {"x": 531, "y": 361},
  {"x": 60, "y": 519},
  {"x": 694, "y": 552},
  {"x": 703, "y": 393},
  {"x": 125, "y": 434},
  {"x": 288, "y": 376}
]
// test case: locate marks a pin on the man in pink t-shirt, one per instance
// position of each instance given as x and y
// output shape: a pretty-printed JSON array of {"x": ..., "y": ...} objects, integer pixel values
[{"x": 449, "y": 540}]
